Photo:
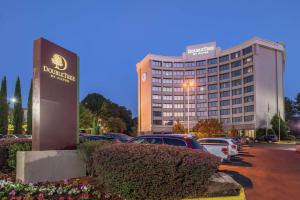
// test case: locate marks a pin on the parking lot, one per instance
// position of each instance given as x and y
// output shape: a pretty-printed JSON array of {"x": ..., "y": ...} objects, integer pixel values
[{"x": 267, "y": 171}]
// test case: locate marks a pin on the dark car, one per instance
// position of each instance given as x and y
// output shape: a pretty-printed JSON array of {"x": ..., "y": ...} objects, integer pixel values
[
  {"x": 96, "y": 138},
  {"x": 168, "y": 139},
  {"x": 268, "y": 138},
  {"x": 121, "y": 137}
]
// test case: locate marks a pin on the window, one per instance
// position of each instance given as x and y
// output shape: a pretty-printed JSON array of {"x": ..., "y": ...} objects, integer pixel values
[
  {"x": 248, "y": 60},
  {"x": 167, "y": 114},
  {"x": 189, "y": 73},
  {"x": 157, "y": 113},
  {"x": 249, "y": 118},
  {"x": 224, "y": 85},
  {"x": 157, "y": 122},
  {"x": 212, "y": 61},
  {"x": 167, "y": 89},
  {"x": 224, "y": 67},
  {"x": 236, "y": 82},
  {"x": 249, "y": 99},
  {"x": 167, "y": 80},
  {"x": 237, "y": 120},
  {"x": 174, "y": 142},
  {"x": 248, "y": 79},
  {"x": 177, "y": 64},
  {"x": 236, "y": 73},
  {"x": 190, "y": 105},
  {"x": 201, "y": 63},
  {"x": 225, "y": 103},
  {"x": 156, "y": 89},
  {"x": 178, "y": 89},
  {"x": 156, "y": 80},
  {"x": 212, "y": 113},
  {"x": 201, "y": 88},
  {"x": 201, "y": 80},
  {"x": 156, "y": 97},
  {"x": 224, "y": 76},
  {"x": 178, "y": 98},
  {"x": 212, "y": 95},
  {"x": 156, "y": 72},
  {"x": 156, "y": 105},
  {"x": 237, "y": 91},
  {"x": 224, "y": 58},
  {"x": 235, "y": 55},
  {"x": 167, "y": 64},
  {"x": 212, "y": 78},
  {"x": 247, "y": 50},
  {"x": 167, "y": 105},
  {"x": 168, "y": 122},
  {"x": 236, "y": 64},
  {"x": 202, "y": 105},
  {"x": 201, "y": 96},
  {"x": 236, "y": 101},
  {"x": 225, "y": 120},
  {"x": 178, "y": 73},
  {"x": 213, "y": 104},
  {"x": 156, "y": 63},
  {"x": 212, "y": 70},
  {"x": 213, "y": 87},
  {"x": 201, "y": 114},
  {"x": 167, "y": 73},
  {"x": 178, "y": 114},
  {"x": 248, "y": 89},
  {"x": 249, "y": 108},
  {"x": 237, "y": 110},
  {"x": 190, "y": 97},
  {"x": 225, "y": 94},
  {"x": 177, "y": 81},
  {"x": 167, "y": 98},
  {"x": 178, "y": 106},
  {"x": 248, "y": 70},
  {"x": 201, "y": 71},
  {"x": 190, "y": 64},
  {"x": 225, "y": 112}
]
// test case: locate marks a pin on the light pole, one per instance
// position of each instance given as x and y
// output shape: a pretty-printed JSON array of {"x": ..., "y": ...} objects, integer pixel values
[
  {"x": 188, "y": 85},
  {"x": 279, "y": 118}
]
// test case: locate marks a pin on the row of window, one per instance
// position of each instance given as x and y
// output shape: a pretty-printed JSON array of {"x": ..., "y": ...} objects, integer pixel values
[{"x": 212, "y": 61}]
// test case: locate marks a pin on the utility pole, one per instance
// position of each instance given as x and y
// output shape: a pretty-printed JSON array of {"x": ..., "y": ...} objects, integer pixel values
[{"x": 279, "y": 119}]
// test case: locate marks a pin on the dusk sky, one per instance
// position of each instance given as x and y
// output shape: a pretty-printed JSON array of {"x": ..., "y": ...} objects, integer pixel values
[{"x": 110, "y": 36}]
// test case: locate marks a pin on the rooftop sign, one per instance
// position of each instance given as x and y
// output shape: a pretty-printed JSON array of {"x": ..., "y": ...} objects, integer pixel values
[{"x": 207, "y": 49}]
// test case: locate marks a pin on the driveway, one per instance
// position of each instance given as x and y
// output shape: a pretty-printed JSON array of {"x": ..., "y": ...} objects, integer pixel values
[{"x": 267, "y": 172}]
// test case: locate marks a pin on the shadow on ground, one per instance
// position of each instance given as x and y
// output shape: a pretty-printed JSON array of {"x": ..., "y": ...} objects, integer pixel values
[{"x": 241, "y": 179}]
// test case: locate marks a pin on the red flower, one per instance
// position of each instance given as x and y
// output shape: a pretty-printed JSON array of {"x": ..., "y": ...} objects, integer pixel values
[
  {"x": 70, "y": 198},
  {"x": 85, "y": 195}
]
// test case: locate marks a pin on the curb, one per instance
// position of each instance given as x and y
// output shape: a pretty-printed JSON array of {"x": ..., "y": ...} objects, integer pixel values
[{"x": 242, "y": 196}]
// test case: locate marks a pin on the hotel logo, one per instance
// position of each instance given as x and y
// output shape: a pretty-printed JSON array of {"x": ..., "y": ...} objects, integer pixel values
[{"x": 59, "y": 62}]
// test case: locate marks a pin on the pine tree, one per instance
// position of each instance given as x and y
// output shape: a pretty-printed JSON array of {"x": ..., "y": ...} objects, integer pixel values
[
  {"x": 3, "y": 107},
  {"x": 29, "y": 111},
  {"x": 18, "y": 110}
]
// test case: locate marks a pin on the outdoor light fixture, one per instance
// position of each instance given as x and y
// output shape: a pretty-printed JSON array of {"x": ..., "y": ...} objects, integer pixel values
[
  {"x": 188, "y": 85},
  {"x": 13, "y": 100}
]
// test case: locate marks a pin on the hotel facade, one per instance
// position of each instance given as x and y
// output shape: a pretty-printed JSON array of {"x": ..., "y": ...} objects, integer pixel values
[{"x": 240, "y": 86}]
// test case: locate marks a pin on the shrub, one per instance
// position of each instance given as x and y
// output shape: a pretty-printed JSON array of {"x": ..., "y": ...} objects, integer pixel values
[
  {"x": 8, "y": 151},
  {"x": 86, "y": 149},
  {"x": 137, "y": 171}
]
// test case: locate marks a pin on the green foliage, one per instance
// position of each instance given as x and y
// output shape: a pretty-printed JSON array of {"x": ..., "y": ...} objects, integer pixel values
[
  {"x": 297, "y": 104},
  {"x": 290, "y": 109},
  {"x": 18, "y": 110},
  {"x": 137, "y": 171},
  {"x": 3, "y": 107},
  {"x": 211, "y": 127},
  {"x": 86, "y": 117},
  {"x": 115, "y": 125},
  {"x": 262, "y": 132},
  {"x": 95, "y": 127},
  {"x": 12, "y": 152},
  {"x": 178, "y": 127},
  {"x": 283, "y": 126},
  {"x": 29, "y": 111}
]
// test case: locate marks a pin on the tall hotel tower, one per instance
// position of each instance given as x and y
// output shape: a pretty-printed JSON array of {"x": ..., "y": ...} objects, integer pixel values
[{"x": 240, "y": 86}]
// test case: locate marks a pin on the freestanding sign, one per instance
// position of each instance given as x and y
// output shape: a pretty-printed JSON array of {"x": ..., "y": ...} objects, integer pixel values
[{"x": 55, "y": 97}]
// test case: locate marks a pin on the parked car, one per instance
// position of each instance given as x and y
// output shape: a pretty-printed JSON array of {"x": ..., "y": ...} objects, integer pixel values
[
  {"x": 169, "y": 139},
  {"x": 232, "y": 147},
  {"x": 217, "y": 147},
  {"x": 267, "y": 138},
  {"x": 121, "y": 137},
  {"x": 96, "y": 138}
]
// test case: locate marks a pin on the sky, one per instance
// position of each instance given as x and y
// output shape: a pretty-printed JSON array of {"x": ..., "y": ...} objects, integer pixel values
[{"x": 111, "y": 36}]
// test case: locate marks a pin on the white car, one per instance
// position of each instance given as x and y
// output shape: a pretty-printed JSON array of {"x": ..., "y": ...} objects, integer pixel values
[{"x": 218, "y": 148}]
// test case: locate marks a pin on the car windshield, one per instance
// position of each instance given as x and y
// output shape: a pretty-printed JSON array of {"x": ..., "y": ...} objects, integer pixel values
[{"x": 196, "y": 144}]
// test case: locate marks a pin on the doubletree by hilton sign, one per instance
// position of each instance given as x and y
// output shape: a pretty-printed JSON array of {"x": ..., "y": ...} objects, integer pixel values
[{"x": 55, "y": 97}]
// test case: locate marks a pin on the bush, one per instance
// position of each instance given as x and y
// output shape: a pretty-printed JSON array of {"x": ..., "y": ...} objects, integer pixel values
[
  {"x": 8, "y": 151},
  {"x": 290, "y": 138},
  {"x": 137, "y": 171},
  {"x": 86, "y": 150}
]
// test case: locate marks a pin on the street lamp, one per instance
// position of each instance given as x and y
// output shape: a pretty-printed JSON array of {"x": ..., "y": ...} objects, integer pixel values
[
  {"x": 188, "y": 85},
  {"x": 13, "y": 100}
]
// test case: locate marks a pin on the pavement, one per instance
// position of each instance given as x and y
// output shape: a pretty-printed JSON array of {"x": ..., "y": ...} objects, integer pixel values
[{"x": 267, "y": 171}]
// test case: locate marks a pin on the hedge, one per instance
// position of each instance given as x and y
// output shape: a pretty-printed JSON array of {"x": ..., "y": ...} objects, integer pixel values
[
  {"x": 8, "y": 151},
  {"x": 139, "y": 171}
]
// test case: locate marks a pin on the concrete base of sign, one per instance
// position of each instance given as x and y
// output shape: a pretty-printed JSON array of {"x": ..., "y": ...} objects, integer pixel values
[{"x": 54, "y": 165}]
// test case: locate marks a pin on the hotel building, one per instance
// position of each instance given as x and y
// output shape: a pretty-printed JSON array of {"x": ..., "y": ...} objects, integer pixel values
[{"x": 240, "y": 86}]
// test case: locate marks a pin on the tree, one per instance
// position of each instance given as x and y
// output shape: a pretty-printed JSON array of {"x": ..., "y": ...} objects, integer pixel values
[
  {"x": 211, "y": 127},
  {"x": 3, "y": 107},
  {"x": 232, "y": 132},
  {"x": 18, "y": 110},
  {"x": 29, "y": 111},
  {"x": 290, "y": 109},
  {"x": 178, "y": 127},
  {"x": 297, "y": 104},
  {"x": 115, "y": 124},
  {"x": 283, "y": 126},
  {"x": 86, "y": 117},
  {"x": 96, "y": 127}
]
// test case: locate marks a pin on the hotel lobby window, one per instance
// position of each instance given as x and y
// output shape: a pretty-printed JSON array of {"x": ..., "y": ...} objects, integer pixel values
[
  {"x": 212, "y": 61},
  {"x": 235, "y": 55},
  {"x": 212, "y": 70},
  {"x": 247, "y": 50},
  {"x": 248, "y": 70},
  {"x": 248, "y": 89},
  {"x": 201, "y": 63},
  {"x": 224, "y": 76},
  {"x": 224, "y": 58},
  {"x": 224, "y": 67},
  {"x": 236, "y": 64}
]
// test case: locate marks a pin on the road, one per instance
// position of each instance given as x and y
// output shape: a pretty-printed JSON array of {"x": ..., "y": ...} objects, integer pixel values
[{"x": 267, "y": 172}]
